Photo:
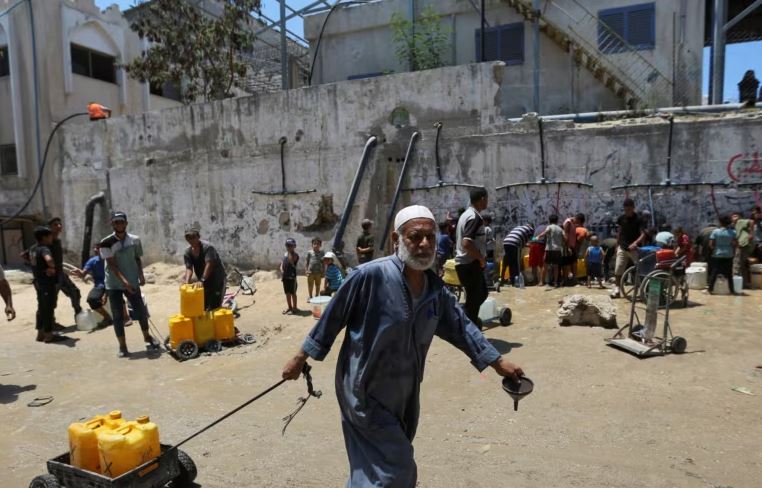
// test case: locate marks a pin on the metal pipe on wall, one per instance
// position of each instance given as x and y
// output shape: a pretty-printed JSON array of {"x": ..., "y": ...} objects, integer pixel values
[
  {"x": 98, "y": 198},
  {"x": 283, "y": 48},
  {"x": 536, "y": 41},
  {"x": 369, "y": 145}
]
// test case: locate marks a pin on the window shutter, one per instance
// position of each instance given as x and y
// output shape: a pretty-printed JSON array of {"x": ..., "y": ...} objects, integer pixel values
[
  {"x": 640, "y": 27},
  {"x": 491, "y": 38},
  {"x": 512, "y": 43},
  {"x": 610, "y": 29}
]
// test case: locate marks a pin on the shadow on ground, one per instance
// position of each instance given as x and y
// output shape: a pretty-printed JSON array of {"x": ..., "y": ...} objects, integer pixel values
[
  {"x": 10, "y": 393},
  {"x": 504, "y": 347}
]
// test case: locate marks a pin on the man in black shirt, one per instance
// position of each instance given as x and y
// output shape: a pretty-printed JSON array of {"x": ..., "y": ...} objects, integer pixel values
[
  {"x": 65, "y": 285},
  {"x": 365, "y": 245},
  {"x": 630, "y": 235},
  {"x": 202, "y": 259}
]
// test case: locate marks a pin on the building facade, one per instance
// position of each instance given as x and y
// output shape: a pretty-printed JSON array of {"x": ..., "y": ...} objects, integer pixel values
[
  {"x": 593, "y": 54},
  {"x": 58, "y": 55}
]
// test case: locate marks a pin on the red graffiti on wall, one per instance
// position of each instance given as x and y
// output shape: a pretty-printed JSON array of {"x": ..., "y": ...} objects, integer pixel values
[{"x": 744, "y": 166}]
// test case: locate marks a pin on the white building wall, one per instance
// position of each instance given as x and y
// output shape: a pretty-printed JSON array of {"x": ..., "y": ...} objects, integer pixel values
[{"x": 358, "y": 40}]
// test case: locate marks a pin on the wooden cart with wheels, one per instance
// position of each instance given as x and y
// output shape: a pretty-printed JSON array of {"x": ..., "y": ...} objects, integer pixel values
[{"x": 172, "y": 466}]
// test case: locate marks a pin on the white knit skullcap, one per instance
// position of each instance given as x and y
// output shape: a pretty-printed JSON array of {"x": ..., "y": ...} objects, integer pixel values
[{"x": 410, "y": 213}]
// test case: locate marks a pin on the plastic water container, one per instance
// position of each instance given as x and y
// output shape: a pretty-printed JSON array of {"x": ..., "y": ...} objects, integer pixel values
[
  {"x": 180, "y": 329},
  {"x": 128, "y": 447},
  {"x": 696, "y": 277},
  {"x": 581, "y": 268},
  {"x": 83, "y": 439},
  {"x": 224, "y": 329},
  {"x": 191, "y": 300},
  {"x": 738, "y": 283},
  {"x": 450, "y": 275},
  {"x": 756, "y": 275},
  {"x": 488, "y": 310},
  {"x": 203, "y": 328},
  {"x": 318, "y": 305},
  {"x": 86, "y": 320},
  {"x": 698, "y": 264}
]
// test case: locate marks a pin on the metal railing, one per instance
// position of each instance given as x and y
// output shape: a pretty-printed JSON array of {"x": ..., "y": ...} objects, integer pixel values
[{"x": 612, "y": 52}]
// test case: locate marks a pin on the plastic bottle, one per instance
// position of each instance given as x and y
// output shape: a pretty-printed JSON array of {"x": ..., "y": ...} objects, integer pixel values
[
  {"x": 180, "y": 329},
  {"x": 191, "y": 300},
  {"x": 128, "y": 446},
  {"x": 83, "y": 439},
  {"x": 224, "y": 329},
  {"x": 203, "y": 328}
]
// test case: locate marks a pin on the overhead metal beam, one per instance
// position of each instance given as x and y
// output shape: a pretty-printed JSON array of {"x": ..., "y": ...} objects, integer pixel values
[
  {"x": 718, "y": 50},
  {"x": 277, "y": 22},
  {"x": 288, "y": 17},
  {"x": 283, "y": 48},
  {"x": 738, "y": 18}
]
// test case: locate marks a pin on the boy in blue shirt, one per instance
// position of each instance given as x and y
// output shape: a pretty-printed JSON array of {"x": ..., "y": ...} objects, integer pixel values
[
  {"x": 594, "y": 262},
  {"x": 96, "y": 298}
]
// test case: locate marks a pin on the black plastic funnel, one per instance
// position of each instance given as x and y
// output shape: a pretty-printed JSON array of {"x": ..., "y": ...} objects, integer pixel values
[{"x": 517, "y": 389}]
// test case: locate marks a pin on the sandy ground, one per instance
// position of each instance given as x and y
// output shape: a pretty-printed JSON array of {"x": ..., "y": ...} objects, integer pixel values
[{"x": 599, "y": 417}]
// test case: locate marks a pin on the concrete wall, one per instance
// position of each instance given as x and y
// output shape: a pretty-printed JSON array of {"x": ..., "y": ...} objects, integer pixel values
[
  {"x": 358, "y": 40},
  {"x": 199, "y": 164}
]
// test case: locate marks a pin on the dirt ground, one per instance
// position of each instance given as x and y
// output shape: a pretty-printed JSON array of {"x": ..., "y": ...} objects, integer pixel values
[{"x": 599, "y": 417}]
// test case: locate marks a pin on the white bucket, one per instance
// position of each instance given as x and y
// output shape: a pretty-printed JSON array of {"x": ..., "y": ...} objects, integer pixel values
[
  {"x": 756, "y": 275},
  {"x": 318, "y": 305},
  {"x": 721, "y": 286},
  {"x": 698, "y": 264},
  {"x": 696, "y": 278},
  {"x": 488, "y": 310},
  {"x": 86, "y": 320}
]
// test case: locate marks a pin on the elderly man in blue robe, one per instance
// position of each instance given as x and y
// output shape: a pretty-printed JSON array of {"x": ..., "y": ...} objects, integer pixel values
[{"x": 392, "y": 308}]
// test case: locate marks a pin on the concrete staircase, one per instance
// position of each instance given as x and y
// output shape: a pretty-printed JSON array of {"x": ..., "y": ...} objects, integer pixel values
[{"x": 627, "y": 73}]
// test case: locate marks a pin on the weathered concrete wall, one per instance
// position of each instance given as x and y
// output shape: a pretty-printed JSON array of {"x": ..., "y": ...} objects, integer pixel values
[{"x": 199, "y": 164}]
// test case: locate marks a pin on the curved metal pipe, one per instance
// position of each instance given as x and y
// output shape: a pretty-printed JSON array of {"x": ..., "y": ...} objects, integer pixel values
[
  {"x": 542, "y": 149},
  {"x": 369, "y": 145},
  {"x": 98, "y": 198},
  {"x": 398, "y": 190},
  {"x": 671, "y": 119}
]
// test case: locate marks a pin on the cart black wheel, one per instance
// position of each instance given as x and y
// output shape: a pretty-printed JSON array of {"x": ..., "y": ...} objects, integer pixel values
[
  {"x": 187, "y": 349},
  {"x": 678, "y": 345},
  {"x": 188, "y": 470},
  {"x": 166, "y": 343},
  {"x": 213, "y": 345},
  {"x": 45, "y": 481},
  {"x": 505, "y": 317},
  {"x": 248, "y": 338}
]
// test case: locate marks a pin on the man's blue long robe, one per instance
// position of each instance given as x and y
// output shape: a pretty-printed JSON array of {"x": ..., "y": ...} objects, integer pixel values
[{"x": 380, "y": 366}]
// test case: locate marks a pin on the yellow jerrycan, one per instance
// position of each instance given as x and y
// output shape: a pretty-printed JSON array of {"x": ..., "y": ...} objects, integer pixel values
[
  {"x": 203, "y": 328},
  {"x": 224, "y": 330},
  {"x": 83, "y": 439},
  {"x": 191, "y": 300},
  {"x": 128, "y": 446},
  {"x": 180, "y": 329}
]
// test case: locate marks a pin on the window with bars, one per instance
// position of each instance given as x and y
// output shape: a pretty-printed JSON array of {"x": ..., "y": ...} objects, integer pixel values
[
  {"x": 93, "y": 64},
  {"x": 502, "y": 43},
  {"x": 8, "y": 163},
  {"x": 5, "y": 67},
  {"x": 634, "y": 25}
]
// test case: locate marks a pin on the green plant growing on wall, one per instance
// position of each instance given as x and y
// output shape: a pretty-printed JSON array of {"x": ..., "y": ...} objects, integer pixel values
[
  {"x": 192, "y": 49},
  {"x": 422, "y": 44}
]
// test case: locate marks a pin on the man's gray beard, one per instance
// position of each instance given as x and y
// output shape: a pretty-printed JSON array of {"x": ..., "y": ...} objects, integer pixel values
[{"x": 417, "y": 264}]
